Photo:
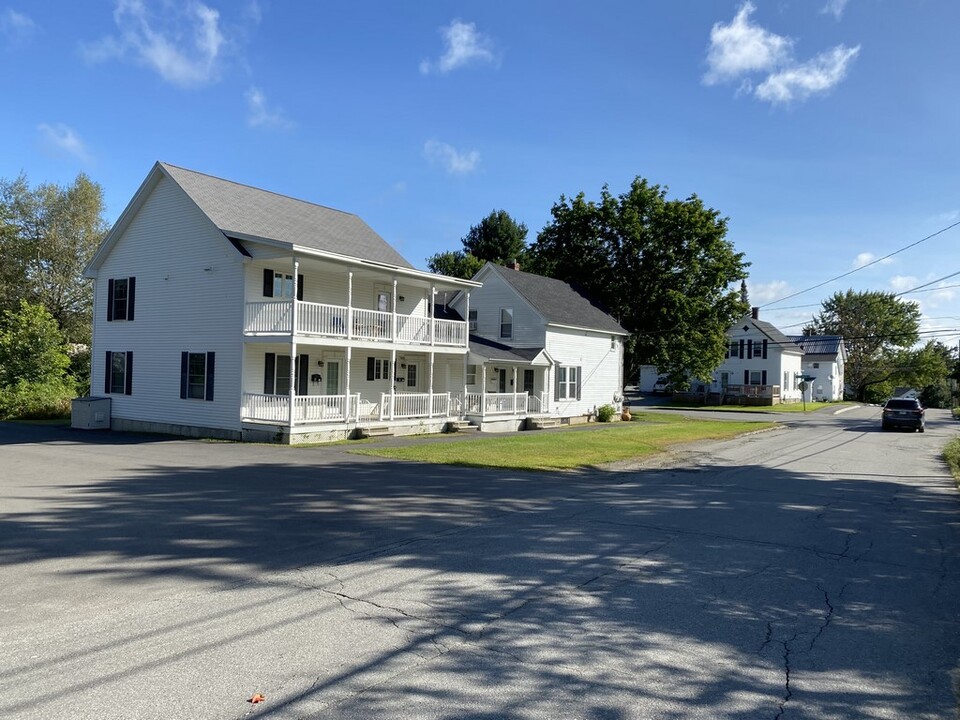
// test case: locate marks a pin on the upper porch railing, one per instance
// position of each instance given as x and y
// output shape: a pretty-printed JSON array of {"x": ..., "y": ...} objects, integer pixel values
[{"x": 340, "y": 321}]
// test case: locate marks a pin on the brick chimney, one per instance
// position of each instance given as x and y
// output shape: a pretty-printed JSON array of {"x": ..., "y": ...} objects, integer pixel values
[
  {"x": 755, "y": 313},
  {"x": 515, "y": 264}
]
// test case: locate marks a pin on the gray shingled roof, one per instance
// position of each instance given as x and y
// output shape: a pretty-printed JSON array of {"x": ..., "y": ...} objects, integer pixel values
[
  {"x": 246, "y": 211},
  {"x": 772, "y": 332},
  {"x": 557, "y": 301},
  {"x": 493, "y": 350},
  {"x": 818, "y": 344}
]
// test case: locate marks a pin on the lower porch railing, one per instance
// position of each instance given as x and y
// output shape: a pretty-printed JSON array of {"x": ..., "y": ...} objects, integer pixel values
[{"x": 309, "y": 409}]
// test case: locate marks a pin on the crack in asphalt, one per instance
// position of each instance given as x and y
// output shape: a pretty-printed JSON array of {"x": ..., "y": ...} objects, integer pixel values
[{"x": 788, "y": 693}]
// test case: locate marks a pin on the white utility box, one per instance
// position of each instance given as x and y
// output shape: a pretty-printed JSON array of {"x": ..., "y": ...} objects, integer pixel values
[{"x": 90, "y": 413}]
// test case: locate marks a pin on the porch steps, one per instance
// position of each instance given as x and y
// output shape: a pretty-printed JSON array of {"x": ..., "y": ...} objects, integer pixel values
[
  {"x": 376, "y": 431},
  {"x": 461, "y": 426},
  {"x": 543, "y": 423}
]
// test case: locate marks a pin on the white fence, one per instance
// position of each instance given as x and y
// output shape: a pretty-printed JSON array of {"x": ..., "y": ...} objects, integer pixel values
[
  {"x": 269, "y": 317},
  {"x": 495, "y": 404},
  {"x": 414, "y": 405},
  {"x": 308, "y": 409},
  {"x": 319, "y": 319}
]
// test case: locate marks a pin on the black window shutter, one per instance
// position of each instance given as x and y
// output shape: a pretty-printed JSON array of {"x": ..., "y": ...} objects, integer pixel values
[
  {"x": 763, "y": 377},
  {"x": 128, "y": 390},
  {"x": 184, "y": 372},
  {"x": 370, "y": 362},
  {"x": 267, "y": 282},
  {"x": 741, "y": 350},
  {"x": 131, "y": 295},
  {"x": 749, "y": 349},
  {"x": 579, "y": 375},
  {"x": 108, "y": 371},
  {"x": 746, "y": 377},
  {"x": 300, "y": 287},
  {"x": 211, "y": 366},
  {"x": 764, "y": 351},
  {"x": 269, "y": 373},
  {"x": 727, "y": 353},
  {"x": 109, "y": 299},
  {"x": 302, "y": 369}
]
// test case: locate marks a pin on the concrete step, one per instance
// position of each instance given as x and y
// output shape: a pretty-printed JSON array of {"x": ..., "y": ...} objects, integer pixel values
[
  {"x": 544, "y": 423},
  {"x": 376, "y": 431},
  {"x": 461, "y": 426}
]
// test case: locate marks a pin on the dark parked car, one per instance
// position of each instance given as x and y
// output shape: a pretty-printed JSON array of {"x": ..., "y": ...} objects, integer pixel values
[{"x": 902, "y": 412}]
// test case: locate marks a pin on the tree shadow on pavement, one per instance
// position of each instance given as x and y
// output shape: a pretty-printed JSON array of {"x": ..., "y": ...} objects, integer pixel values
[{"x": 746, "y": 593}]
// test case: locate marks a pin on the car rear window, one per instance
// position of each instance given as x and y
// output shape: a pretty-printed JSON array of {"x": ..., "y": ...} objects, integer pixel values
[{"x": 903, "y": 404}]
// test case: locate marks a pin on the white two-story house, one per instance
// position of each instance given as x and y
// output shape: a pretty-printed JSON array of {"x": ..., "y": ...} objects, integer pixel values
[
  {"x": 762, "y": 364},
  {"x": 229, "y": 311},
  {"x": 538, "y": 349}
]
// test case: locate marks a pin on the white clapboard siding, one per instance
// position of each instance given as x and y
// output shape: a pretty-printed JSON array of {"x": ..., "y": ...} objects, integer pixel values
[
  {"x": 189, "y": 297},
  {"x": 528, "y": 324},
  {"x": 600, "y": 362}
]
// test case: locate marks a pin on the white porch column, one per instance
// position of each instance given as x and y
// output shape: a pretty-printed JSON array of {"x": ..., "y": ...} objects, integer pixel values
[
  {"x": 393, "y": 366},
  {"x": 350, "y": 305},
  {"x": 430, "y": 411},
  {"x": 483, "y": 389},
  {"x": 393, "y": 335},
  {"x": 467, "y": 319},
  {"x": 433, "y": 317},
  {"x": 346, "y": 386},
  {"x": 293, "y": 342}
]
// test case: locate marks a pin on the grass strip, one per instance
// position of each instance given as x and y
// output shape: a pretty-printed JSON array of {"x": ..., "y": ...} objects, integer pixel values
[
  {"x": 951, "y": 453},
  {"x": 571, "y": 448}
]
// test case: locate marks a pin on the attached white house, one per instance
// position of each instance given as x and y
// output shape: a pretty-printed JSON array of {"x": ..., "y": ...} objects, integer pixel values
[
  {"x": 228, "y": 311},
  {"x": 538, "y": 349},
  {"x": 824, "y": 359}
]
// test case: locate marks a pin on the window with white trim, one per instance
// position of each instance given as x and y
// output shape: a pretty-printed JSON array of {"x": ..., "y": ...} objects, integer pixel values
[
  {"x": 118, "y": 373},
  {"x": 378, "y": 368},
  {"x": 567, "y": 381},
  {"x": 506, "y": 323},
  {"x": 120, "y": 298},
  {"x": 756, "y": 377},
  {"x": 197, "y": 375},
  {"x": 472, "y": 317},
  {"x": 471, "y": 378}
]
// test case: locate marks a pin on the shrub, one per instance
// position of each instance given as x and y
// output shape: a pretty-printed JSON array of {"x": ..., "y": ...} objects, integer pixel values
[
  {"x": 36, "y": 401},
  {"x": 956, "y": 413},
  {"x": 605, "y": 413}
]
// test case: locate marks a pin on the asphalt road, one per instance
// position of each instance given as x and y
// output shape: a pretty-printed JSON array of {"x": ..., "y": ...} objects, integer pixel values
[{"x": 810, "y": 572}]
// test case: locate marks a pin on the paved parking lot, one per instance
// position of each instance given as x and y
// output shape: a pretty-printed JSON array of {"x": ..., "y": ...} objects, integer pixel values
[{"x": 805, "y": 573}]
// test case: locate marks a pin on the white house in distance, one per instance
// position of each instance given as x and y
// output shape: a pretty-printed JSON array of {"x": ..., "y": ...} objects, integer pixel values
[
  {"x": 824, "y": 359},
  {"x": 540, "y": 340},
  {"x": 227, "y": 311},
  {"x": 762, "y": 365}
]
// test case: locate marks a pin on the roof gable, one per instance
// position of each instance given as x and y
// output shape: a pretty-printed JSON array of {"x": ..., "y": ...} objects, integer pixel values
[
  {"x": 555, "y": 300},
  {"x": 771, "y": 332},
  {"x": 245, "y": 211}
]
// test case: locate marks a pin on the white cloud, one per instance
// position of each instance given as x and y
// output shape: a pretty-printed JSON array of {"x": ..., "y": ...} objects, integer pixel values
[
  {"x": 464, "y": 46},
  {"x": 900, "y": 283},
  {"x": 60, "y": 139},
  {"x": 183, "y": 45},
  {"x": 835, "y": 8},
  {"x": 763, "y": 293},
  {"x": 814, "y": 76},
  {"x": 453, "y": 161},
  {"x": 260, "y": 114},
  {"x": 865, "y": 258},
  {"x": 16, "y": 27},
  {"x": 740, "y": 49}
]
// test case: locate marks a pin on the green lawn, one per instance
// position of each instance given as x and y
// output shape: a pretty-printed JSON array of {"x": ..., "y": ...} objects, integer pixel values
[
  {"x": 570, "y": 448},
  {"x": 782, "y": 408},
  {"x": 951, "y": 453}
]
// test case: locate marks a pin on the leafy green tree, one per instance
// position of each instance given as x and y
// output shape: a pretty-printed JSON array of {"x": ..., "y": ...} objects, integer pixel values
[
  {"x": 663, "y": 268},
  {"x": 32, "y": 348},
  {"x": 47, "y": 236},
  {"x": 879, "y": 330},
  {"x": 455, "y": 263},
  {"x": 497, "y": 238}
]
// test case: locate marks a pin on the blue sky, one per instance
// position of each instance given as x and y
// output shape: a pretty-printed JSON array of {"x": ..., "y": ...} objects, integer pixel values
[{"x": 826, "y": 130}]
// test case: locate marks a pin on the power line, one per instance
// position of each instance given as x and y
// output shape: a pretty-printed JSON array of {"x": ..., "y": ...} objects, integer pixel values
[
  {"x": 905, "y": 292},
  {"x": 862, "y": 267}
]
